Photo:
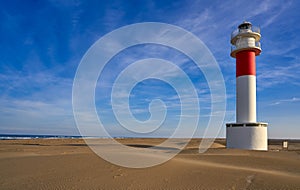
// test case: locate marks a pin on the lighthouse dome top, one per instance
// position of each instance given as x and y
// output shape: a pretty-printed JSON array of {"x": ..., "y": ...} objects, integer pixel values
[{"x": 245, "y": 25}]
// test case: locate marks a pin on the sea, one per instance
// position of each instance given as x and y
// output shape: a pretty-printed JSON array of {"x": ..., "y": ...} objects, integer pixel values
[{"x": 13, "y": 136}]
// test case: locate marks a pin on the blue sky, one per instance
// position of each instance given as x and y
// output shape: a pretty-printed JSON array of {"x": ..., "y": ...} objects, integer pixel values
[{"x": 43, "y": 42}]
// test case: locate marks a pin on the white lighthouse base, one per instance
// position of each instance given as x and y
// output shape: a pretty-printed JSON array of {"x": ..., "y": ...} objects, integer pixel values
[{"x": 250, "y": 136}]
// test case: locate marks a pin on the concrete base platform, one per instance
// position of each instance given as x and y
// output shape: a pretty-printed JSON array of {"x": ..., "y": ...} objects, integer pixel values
[{"x": 250, "y": 136}]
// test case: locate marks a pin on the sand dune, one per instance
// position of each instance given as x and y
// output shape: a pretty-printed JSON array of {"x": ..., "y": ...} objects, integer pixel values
[{"x": 70, "y": 164}]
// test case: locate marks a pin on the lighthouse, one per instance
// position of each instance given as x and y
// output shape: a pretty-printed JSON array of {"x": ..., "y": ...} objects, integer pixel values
[{"x": 246, "y": 133}]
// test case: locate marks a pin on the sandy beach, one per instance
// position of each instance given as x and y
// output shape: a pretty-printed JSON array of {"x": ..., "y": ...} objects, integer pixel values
[{"x": 71, "y": 164}]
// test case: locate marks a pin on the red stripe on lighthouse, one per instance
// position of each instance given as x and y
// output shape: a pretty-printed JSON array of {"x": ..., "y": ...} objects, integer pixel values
[{"x": 245, "y": 63}]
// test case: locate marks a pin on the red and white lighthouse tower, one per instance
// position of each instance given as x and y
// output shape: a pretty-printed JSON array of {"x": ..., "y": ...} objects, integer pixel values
[{"x": 246, "y": 133}]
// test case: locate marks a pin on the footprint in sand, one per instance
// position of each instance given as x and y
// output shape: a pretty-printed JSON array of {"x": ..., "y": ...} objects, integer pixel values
[
  {"x": 249, "y": 180},
  {"x": 118, "y": 175}
]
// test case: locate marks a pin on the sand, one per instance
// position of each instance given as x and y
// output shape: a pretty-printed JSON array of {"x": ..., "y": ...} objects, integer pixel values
[{"x": 71, "y": 164}]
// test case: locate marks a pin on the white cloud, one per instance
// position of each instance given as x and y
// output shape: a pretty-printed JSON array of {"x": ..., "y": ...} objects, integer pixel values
[
  {"x": 37, "y": 116},
  {"x": 284, "y": 101},
  {"x": 37, "y": 102},
  {"x": 279, "y": 75}
]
